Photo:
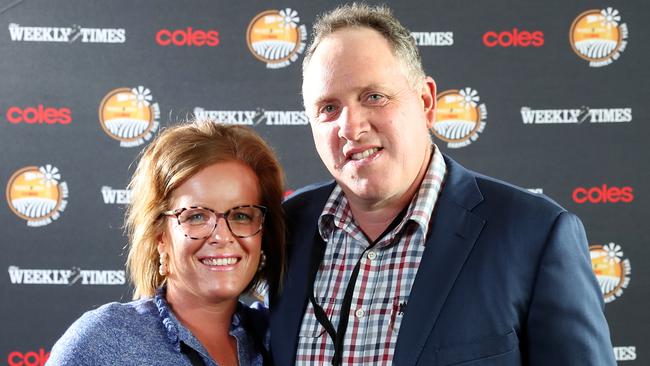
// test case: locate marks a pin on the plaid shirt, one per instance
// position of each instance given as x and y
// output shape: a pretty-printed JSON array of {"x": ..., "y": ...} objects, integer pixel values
[{"x": 382, "y": 288}]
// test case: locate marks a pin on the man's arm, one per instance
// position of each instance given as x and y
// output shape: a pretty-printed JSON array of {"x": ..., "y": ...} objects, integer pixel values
[{"x": 566, "y": 324}]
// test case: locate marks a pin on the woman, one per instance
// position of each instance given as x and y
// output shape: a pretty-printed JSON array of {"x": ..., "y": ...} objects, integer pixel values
[{"x": 205, "y": 225}]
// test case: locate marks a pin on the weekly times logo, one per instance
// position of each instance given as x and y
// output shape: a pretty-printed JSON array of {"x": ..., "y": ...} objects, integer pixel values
[
  {"x": 37, "y": 194},
  {"x": 23, "y": 276},
  {"x": 259, "y": 116},
  {"x": 74, "y": 33}
]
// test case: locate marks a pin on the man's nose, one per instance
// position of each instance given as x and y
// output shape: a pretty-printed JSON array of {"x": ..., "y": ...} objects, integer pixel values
[{"x": 353, "y": 123}]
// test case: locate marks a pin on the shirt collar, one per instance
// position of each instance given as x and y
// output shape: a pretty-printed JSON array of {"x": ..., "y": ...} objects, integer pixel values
[{"x": 177, "y": 332}]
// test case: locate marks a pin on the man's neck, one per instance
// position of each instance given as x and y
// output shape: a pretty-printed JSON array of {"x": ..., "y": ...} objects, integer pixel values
[{"x": 374, "y": 217}]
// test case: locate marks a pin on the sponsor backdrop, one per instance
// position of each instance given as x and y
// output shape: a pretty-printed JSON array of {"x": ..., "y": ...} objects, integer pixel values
[{"x": 547, "y": 95}]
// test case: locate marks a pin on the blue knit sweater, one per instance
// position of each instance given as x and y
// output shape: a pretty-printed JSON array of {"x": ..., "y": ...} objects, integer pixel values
[{"x": 146, "y": 332}]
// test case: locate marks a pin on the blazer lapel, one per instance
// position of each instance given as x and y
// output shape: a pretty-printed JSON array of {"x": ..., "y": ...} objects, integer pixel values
[
  {"x": 451, "y": 237},
  {"x": 287, "y": 312}
]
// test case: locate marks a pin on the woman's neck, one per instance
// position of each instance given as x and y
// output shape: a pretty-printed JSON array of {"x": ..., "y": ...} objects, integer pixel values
[{"x": 208, "y": 322}]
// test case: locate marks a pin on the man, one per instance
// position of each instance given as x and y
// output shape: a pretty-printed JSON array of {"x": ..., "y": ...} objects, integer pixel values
[{"x": 408, "y": 258}]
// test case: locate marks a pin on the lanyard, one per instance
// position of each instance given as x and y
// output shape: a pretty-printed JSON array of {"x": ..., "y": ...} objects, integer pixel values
[{"x": 337, "y": 335}]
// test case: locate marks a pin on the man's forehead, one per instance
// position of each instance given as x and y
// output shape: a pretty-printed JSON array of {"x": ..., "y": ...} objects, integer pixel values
[
  {"x": 351, "y": 36},
  {"x": 339, "y": 61}
]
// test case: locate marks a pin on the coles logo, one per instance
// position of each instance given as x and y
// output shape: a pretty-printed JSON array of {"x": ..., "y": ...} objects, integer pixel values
[
  {"x": 603, "y": 194},
  {"x": 611, "y": 269},
  {"x": 598, "y": 36},
  {"x": 276, "y": 38},
  {"x": 188, "y": 37},
  {"x": 37, "y": 195},
  {"x": 514, "y": 38},
  {"x": 459, "y": 117},
  {"x": 31, "y": 358},
  {"x": 129, "y": 115},
  {"x": 39, "y": 115}
]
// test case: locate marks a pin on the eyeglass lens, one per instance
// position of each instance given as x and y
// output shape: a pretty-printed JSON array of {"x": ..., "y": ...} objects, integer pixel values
[{"x": 242, "y": 221}]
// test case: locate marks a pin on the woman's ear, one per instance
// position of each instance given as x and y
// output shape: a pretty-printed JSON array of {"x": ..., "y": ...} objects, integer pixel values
[{"x": 162, "y": 247}]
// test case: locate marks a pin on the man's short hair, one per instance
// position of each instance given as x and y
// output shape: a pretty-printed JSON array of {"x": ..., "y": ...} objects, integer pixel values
[{"x": 379, "y": 18}]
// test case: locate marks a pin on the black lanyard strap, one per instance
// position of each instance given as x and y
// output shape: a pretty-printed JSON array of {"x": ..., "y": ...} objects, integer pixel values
[{"x": 337, "y": 335}]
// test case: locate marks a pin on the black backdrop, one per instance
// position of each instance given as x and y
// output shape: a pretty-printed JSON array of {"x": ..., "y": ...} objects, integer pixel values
[{"x": 547, "y": 95}]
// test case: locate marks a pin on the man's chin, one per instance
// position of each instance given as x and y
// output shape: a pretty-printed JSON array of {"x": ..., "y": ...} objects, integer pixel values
[{"x": 369, "y": 191}]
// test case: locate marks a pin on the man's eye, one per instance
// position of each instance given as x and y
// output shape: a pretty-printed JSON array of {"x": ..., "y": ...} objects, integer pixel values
[
  {"x": 375, "y": 98},
  {"x": 328, "y": 109}
]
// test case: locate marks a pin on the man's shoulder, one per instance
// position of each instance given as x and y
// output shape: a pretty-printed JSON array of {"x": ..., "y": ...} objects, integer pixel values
[
  {"x": 313, "y": 195},
  {"x": 510, "y": 196},
  {"x": 494, "y": 191}
]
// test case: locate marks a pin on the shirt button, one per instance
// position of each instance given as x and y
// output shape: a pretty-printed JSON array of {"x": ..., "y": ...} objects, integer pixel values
[
  {"x": 360, "y": 313},
  {"x": 372, "y": 255}
]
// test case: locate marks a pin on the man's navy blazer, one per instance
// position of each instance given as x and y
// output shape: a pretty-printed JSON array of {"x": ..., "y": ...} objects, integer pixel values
[{"x": 505, "y": 279}]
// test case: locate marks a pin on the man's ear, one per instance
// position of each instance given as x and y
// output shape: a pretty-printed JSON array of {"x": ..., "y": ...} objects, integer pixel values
[{"x": 428, "y": 95}]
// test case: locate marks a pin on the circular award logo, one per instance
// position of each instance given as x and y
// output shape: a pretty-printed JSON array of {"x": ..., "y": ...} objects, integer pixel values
[
  {"x": 611, "y": 269},
  {"x": 276, "y": 38},
  {"x": 598, "y": 36},
  {"x": 37, "y": 195},
  {"x": 129, "y": 115},
  {"x": 459, "y": 117}
]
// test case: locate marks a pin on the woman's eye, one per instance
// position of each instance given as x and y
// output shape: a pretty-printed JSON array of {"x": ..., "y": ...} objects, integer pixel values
[
  {"x": 240, "y": 217},
  {"x": 195, "y": 217}
]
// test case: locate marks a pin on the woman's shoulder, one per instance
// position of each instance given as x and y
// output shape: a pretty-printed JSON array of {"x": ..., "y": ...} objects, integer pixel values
[
  {"x": 117, "y": 315},
  {"x": 101, "y": 332}
]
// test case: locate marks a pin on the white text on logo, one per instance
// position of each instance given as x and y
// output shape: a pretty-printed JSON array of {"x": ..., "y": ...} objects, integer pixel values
[
  {"x": 66, "y": 34},
  {"x": 627, "y": 353},
  {"x": 116, "y": 196},
  {"x": 433, "y": 38},
  {"x": 20, "y": 276},
  {"x": 576, "y": 115},
  {"x": 252, "y": 118}
]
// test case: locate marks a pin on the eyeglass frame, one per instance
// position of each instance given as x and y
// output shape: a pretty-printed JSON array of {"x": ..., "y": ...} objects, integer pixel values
[{"x": 177, "y": 212}]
